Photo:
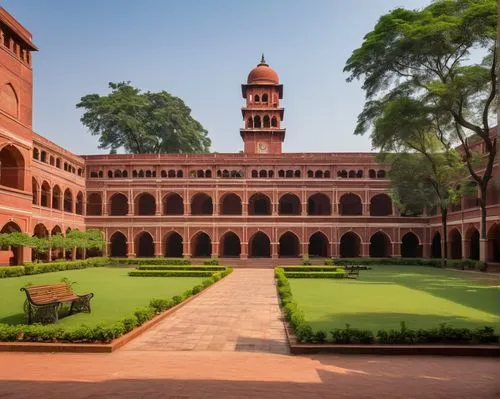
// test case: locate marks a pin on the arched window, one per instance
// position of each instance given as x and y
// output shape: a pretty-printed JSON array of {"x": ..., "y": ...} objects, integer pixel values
[
  {"x": 381, "y": 174},
  {"x": 51, "y": 160},
  {"x": 58, "y": 163},
  {"x": 350, "y": 204},
  {"x": 318, "y": 174},
  {"x": 255, "y": 173},
  {"x": 208, "y": 173},
  {"x": 201, "y": 204},
  {"x": 259, "y": 204},
  {"x": 43, "y": 156},
  {"x": 230, "y": 204},
  {"x": 250, "y": 123},
  {"x": 380, "y": 205},
  {"x": 319, "y": 205},
  {"x": 289, "y": 174},
  {"x": 257, "y": 98},
  {"x": 141, "y": 173},
  {"x": 34, "y": 189},
  {"x": 173, "y": 204},
  {"x": 359, "y": 174},
  {"x": 297, "y": 174},
  {"x": 310, "y": 173},
  {"x": 134, "y": 173},
  {"x": 16, "y": 257},
  {"x": 118, "y": 205},
  {"x": 45, "y": 195},
  {"x": 267, "y": 121},
  {"x": 124, "y": 173},
  {"x": 145, "y": 204},
  {"x": 94, "y": 204},
  {"x": 36, "y": 153},
  {"x": 12, "y": 167},
  {"x": 274, "y": 122},
  {"x": 263, "y": 173},
  {"x": 264, "y": 98},
  {"x": 148, "y": 173},
  {"x": 180, "y": 173},
  {"x": 56, "y": 197},
  {"x": 118, "y": 173},
  {"x": 342, "y": 173},
  {"x": 289, "y": 204},
  {"x": 163, "y": 173},
  {"x": 68, "y": 201},
  {"x": 494, "y": 243},
  {"x": 100, "y": 174},
  {"x": 171, "y": 173},
  {"x": 352, "y": 174},
  {"x": 256, "y": 122},
  {"x": 372, "y": 174},
  {"x": 326, "y": 175},
  {"x": 281, "y": 173},
  {"x": 79, "y": 203},
  {"x": 110, "y": 174}
]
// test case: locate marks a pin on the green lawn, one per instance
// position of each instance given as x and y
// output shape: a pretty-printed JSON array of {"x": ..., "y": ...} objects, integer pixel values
[
  {"x": 115, "y": 293},
  {"x": 381, "y": 298}
]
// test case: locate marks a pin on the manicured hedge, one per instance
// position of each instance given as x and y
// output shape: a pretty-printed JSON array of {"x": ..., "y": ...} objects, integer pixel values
[
  {"x": 452, "y": 263},
  {"x": 11, "y": 271},
  {"x": 444, "y": 334},
  {"x": 149, "y": 261},
  {"x": 312, "y": 268},
  {"x": 170, "y": 273},
  {"x": 339, "y": 274},
  {"x": 101, "y": 333},
  {"x": 212, "y": 261},
  {"x": 176, "y": 267}
]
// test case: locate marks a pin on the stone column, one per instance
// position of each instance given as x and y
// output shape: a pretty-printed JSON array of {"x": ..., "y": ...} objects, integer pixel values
[
  {"x": 215, "y": 248},
  {"x": 274, "y": 250},
  {"x": 157, "y": 245},
  {"x": 304, "y": 209},
  {"x": 244, "y": 208},
  {"x": 304, "y": 249},
  {"x": 131, "y": 248},
  {"x": 244, "y": 250},
  {"x": 396, "y": 249},
  {"x": 365, "y": 249},
  {"x": 186, "y": 248},
  {"x": 483, "y": 249}
]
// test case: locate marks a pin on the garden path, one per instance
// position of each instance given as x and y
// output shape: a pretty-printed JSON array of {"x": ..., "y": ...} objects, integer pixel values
[{"x": 240, "y": 313}]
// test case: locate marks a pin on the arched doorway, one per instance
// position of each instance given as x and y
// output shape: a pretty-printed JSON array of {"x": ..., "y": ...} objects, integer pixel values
[
  {"x": 11, "y": 167},
  {"x": 350, "y": 205},
  {"x": 318, "y": 245},
  {"x": 201, "y": 245},
  {"x": 494, "y": 243},
  {"x": 201, "y": 204},
  {"x": 230, "y": 245},
  {"x": 68, "y": 201},
  {"x": 11, "y": 255},
  {"x": 259, "y": 246},
  {"x": 173, "y": 205},
  {"x": 380, "y": 245},
  {"x": 118, "y": 205},
  {"x": 79, "y": 203},
  {"x": 455, "y": 243},
  {"x": 289, "y": 245},
  {"x": 289, "y": 204},
  {"x": 174, "y": 245},
  {"x": 118, "y": 245},
  {"x": 350, "y": 245},
  {"x": 35, "y": 188},
  {"x": 436, "y": 246},
  {"x": 380, "y": 205},
  {"x": 410, "y": 246},
  {"x": 259, "y": 204},
  {"x": 319, "y": 205},
  {"x": 230, "y": 204},
  {"x": 56, "y": 197},
  {"x": 472, "y": 237},
  {"x": 146, "y": 205},
  {"x": 145, "y": 247},
  {"x": 45, "y": 195}
]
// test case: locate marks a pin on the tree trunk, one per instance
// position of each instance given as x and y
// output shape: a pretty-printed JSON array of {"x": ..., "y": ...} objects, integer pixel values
[
  {"x": 444, "y": 249},
  {"x": 482, "y": 206}
]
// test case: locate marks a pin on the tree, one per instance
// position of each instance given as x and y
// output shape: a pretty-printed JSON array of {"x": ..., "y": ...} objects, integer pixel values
[
  {"x": 427, "y": 181},
  {"x": 142, "y": 122},
  {"x": 422, "y": 56}
]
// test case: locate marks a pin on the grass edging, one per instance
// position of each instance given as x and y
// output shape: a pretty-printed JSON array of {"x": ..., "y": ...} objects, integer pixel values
[
  {"x": 119, "y": 340},
  {"x": 302, "y": 339}
]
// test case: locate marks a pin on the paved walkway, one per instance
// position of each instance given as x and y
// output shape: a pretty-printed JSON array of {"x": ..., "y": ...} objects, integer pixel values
[
  {"x": 189, "y": 375},
  {"x": 241, "y": 313}
]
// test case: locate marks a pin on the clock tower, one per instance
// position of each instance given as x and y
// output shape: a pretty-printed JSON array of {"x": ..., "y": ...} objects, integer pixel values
[{"x": 262, "y": 115}]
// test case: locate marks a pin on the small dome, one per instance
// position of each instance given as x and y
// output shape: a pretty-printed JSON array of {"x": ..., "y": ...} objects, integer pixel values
[{"x": 263, "y": 74}]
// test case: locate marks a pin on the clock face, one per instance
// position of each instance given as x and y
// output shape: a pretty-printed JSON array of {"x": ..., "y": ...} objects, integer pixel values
[{"x": 262, "y": 147}]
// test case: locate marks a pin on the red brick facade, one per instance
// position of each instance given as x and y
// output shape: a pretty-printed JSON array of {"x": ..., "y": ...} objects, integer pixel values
[{"x": 258, "y": 203}]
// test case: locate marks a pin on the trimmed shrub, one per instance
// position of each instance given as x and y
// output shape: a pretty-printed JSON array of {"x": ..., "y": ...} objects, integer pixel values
[
  {"x": 160, "y": 305},
  {"x": 170, "y": 273},
  {"x": 176, "y": 267},
  {"x": 144, "y": 314},
  {"x": 340, "y": 274},
  {"x": 306, "y": 261},
  {"x": 149, "y": 261},
  {"x": 11, "y": 271},
  {"x": 350, "y": 335},
  {"x": 312, "y": 269},
  {"x": 212, "y": 261}
]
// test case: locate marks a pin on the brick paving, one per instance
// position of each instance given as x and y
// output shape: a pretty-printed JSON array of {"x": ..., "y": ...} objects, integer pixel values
[
  {"x": 225, "y": 374},
  {"x": 241, "y": 313}
]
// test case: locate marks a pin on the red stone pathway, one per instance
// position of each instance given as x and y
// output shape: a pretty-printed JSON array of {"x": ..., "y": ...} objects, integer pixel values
[
  {"x": 240, "y": 313},
  {"x": 224, "y": 374}
]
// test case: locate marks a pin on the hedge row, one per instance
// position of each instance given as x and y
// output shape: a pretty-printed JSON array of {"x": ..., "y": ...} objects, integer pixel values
[
  {"x": 101, "y": 333},
  {"x": 170, "y": 273},
  {"x": 38, "y": 268},
  {"x": 176, "y": 267},
  {"x": 338, "y": 274},
  {"x": 312, "y": 268},
  {"x": 149, "y": 261},
  {"x": 453, "y": 263},
  {"x": 444, "y": 334}
]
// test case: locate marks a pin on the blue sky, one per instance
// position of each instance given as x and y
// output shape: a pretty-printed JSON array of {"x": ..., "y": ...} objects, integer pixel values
[{"x": 202, "y": 51}]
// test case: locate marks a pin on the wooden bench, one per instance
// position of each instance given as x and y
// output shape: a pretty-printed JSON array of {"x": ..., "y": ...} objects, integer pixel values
[
  {"x": 352, "y": 271},
  {"x": 44, "y": 301}
]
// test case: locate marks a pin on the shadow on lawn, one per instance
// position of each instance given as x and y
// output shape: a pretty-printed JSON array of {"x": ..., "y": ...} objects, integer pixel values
[
  {"x": 467, "y": 292},
  {"x": 387, "y": 321},
  {"x": 17, "y": 318}
]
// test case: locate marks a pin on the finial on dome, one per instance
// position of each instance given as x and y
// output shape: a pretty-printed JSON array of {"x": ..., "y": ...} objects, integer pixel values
[{"x": 262, "y": 60}]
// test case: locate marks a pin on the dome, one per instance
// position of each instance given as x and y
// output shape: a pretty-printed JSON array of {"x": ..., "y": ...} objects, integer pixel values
[{"x": 263, "y": 74}]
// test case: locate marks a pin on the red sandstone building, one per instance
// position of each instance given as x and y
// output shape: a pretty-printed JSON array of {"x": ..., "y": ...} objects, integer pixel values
[{"x": 259, "y": 203}]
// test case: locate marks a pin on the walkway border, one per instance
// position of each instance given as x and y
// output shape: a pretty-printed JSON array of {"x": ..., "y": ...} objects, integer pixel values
[{"x": 96, "y": 347}]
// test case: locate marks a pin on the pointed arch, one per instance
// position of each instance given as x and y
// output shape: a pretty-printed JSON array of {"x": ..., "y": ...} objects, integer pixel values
[
  {"x": 259, "y": 246},
  {"x": 144, "y": 245},
  {"x": 68, "y": 200},
  {"x": 289, "y": 245},
  {"x": 56, "y": 197},
  {"x": 145, "y": 204},
  {"x": 259, "y": 204},
  {"x": 436, "y": 246},
  {"x": 493, "y": 237},
  {"x": 118, "y": 245},
  {"x": 79, "y": 203},
  {"x": 455, "y": 243},
  {"x": 350, "y": 205},
  {"x": 410, "y": 246},
  {"x": 35, "y": 188},
  {"x": 201, "y": 245},
  {"x": 380, "y": 205},
  {"x": 319, "y": 205},
  {"x": 173, "y": 204},
  {"x": 472, "y": 238},
  {"x": 230, "y": 245},
  {"x": 289, "y": 204},
  {"x": 9, "y": 100},
  {"x": 12, "y": 167},
  {"x": 13, "y": 255},
  {"x": 201, "y": 204},
  {"x": 174, "y": 245},
  {"x": 380, "y": 245},
  {"x": 94, "y": 204},
  {"x": 350, "y": 245},
  {"x": 230, "y": 204},
  {"x": 318, "y": 245},
  {"x": 118, "y": 205}
]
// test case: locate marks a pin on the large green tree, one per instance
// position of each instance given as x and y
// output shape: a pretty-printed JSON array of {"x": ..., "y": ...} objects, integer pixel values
[
  {"x": 142, "y": 122},
  {"x": 427, "y": 57}
]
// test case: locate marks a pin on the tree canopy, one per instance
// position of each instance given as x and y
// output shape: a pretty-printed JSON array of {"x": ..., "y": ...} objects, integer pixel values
[
  {"x": 419, "y": 69},
  {"x": 142, "y": 122}
]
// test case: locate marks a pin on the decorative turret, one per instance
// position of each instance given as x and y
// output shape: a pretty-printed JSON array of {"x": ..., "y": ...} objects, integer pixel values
[{"x": 262, "y": 114}]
